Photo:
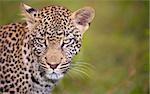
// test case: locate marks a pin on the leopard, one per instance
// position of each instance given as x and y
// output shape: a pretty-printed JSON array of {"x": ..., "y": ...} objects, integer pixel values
[{"x": 35, "y": 54}]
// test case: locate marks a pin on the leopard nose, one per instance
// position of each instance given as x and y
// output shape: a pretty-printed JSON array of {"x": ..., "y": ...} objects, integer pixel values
[{"x": 53, "y": 66}]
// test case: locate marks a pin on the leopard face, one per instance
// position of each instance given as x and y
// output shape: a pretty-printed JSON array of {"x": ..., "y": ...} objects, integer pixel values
[{"x": 56, "y": 36}]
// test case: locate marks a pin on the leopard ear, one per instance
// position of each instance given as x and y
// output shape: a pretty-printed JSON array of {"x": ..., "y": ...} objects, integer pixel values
[
  {"x": 28, "y": 12},
  {"x": 83, "y": 17}
]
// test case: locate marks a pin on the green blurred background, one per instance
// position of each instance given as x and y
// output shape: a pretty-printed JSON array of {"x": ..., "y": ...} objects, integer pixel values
[{"x": 115, "y": 50}]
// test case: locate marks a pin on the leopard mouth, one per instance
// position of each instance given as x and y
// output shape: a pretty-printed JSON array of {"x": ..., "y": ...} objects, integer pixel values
[
  {"x": 53, "y": 77},
  {"x": 53, "y": 81}
]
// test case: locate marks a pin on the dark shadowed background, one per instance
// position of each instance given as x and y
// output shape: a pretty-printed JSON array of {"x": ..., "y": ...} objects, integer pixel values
[{"x": 114, "y": 55}]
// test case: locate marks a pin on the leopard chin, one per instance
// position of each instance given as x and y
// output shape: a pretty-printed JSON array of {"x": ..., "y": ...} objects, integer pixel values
[{"x": 54, "y": 77}]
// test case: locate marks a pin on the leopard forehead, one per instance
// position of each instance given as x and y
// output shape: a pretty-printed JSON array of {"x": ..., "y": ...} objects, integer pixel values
[
  {"x": 54, "y": 15},
  {"x": 53, "y": 19},
  {"x": 56, "y": 10}
]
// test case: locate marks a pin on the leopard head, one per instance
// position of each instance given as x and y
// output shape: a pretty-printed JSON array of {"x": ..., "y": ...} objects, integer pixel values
[{"x": 56, "y": 36}]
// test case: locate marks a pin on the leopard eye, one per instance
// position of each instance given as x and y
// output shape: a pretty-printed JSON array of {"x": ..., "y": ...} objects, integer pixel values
[
  {"x": 41, "y": 40},
  {"x": 67, "y": 41}
]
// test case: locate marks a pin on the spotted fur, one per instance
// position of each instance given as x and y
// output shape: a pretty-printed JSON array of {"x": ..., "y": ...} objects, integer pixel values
[{"x": 36, "y": 54}]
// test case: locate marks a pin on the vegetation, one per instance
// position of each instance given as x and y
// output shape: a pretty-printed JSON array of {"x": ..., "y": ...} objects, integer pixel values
[{"x": 114, "y": 56}]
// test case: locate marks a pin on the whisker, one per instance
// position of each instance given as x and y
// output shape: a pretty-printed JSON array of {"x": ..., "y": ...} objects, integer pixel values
[
  {"x": 75, "y": 74},
  {"x": 42, "y": 63},
  {"x": 43, "y": 66},
  {"x": 64, "y": 64},
  {"x": 80, "y": 71},
  {"x": 63, "y": 67},
  {"x": 83, "y": 63},
  {"x": 81, "y": 66},
  {"x": 70, "y": 75},
  {"x": 65, "y": 70}
]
